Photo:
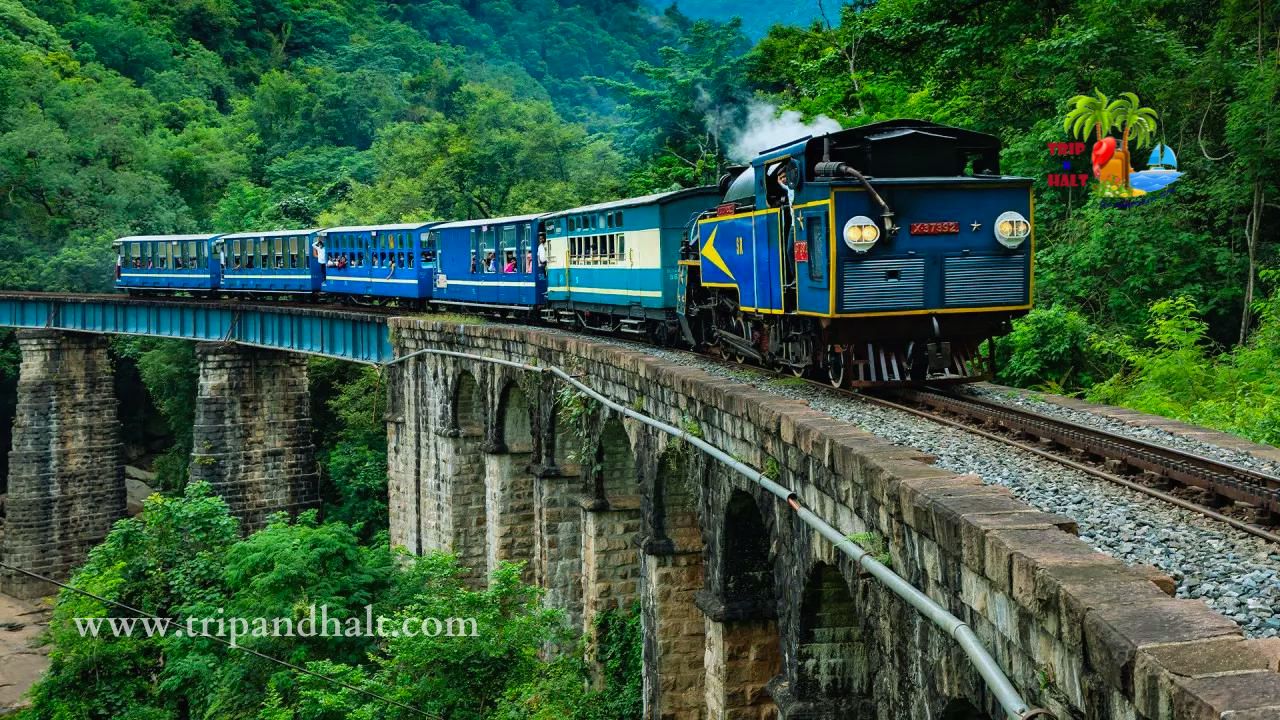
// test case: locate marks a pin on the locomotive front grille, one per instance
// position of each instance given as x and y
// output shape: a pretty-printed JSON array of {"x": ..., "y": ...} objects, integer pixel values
[
  {"x": 882, "y": 285},
  {"x": 985, "y": 281}
]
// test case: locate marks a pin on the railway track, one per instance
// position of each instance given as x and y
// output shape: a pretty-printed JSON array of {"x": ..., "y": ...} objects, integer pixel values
[{"x": 1193, "y": 482}]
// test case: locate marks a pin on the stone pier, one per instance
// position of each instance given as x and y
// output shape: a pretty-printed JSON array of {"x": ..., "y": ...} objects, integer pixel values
[
  {"x": 66, "y": 480},
  {"x": 252, "y": 440}
]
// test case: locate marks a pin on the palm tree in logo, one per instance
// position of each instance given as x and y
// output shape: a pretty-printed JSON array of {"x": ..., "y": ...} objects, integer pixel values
[
  {"x": 1137, "y": 122},
  {"x": 1090, "y": 111},
  {"x": 1099, "y": 113}
]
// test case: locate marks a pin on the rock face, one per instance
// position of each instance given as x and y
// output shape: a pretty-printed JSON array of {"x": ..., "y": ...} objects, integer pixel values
[
  {"x": 137, "y": 492},
  {"x": 66, "y": 481},
  {"x": 252, "y": 439},
  {"x": 746, "y": 612}
]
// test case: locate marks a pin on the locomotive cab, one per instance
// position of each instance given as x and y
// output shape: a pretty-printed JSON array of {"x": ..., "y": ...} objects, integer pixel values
[{"x": 890, "y": 250}]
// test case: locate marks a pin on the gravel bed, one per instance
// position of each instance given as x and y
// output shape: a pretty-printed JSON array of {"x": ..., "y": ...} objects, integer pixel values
[
  {"x": 1236, "y": 574},
  {"x": 1240, "y": 458}
]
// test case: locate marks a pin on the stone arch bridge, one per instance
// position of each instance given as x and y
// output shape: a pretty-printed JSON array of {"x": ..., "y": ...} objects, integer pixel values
[{"x": 747, "y": 613}]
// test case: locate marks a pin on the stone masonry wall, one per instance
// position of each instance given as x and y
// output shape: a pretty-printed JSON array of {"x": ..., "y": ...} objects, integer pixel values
[
  {"x": 66, "y": 479},
  {"x": 252, "y": 439},
  {"x": 1077, "y": 632}
]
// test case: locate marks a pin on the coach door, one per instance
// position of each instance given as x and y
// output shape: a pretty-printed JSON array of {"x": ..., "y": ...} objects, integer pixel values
[{"x": 811, "y": 259}]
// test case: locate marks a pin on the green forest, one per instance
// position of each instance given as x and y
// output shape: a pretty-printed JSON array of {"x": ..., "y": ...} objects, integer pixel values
[{"x": 123, "y": 117}]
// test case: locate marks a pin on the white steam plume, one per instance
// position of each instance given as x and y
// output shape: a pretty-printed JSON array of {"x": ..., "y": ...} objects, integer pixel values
[{"x": 766, "y": 127}]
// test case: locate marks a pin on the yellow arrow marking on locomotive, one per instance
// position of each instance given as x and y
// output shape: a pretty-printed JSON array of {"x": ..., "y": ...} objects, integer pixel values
[{"x": 709, "y": 252}]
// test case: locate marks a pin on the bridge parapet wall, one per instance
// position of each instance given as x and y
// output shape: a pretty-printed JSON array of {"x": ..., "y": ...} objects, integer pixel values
[{"x": 789, "y": 628}]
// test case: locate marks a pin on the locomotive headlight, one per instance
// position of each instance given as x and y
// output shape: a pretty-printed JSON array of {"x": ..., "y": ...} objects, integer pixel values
[
  {"x": 861, "y": 233},
  {"x": 1012, "y": 229}
]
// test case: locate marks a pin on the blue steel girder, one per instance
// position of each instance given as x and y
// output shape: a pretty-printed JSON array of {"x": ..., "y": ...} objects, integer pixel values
[{"x": 313, "y": 330}]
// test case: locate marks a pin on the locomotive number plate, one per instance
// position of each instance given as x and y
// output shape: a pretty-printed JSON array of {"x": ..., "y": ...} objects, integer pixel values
[{"x": 948, "y": 227}]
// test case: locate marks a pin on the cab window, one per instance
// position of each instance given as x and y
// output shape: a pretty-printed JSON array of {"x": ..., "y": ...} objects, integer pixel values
[{"x": 816, "y": 231}]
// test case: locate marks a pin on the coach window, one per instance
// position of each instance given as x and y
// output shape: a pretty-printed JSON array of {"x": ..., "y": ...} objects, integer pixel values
[
  {"x": 508, "y": 247},
  {"x": 429, "y": 259},
  {"x": 618, "y": 221},
  {"x": 193, "y": 259},
  {"x": 817, "y": 232}
]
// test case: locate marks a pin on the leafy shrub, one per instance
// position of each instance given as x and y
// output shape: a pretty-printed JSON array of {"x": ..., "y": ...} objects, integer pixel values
[
  {"x": 1050, "y": 348},
  {"x": 1176, "y": 374}
]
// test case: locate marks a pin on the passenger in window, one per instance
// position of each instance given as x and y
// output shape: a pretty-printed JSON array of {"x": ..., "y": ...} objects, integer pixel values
[
  {"x": 321, "y": 256},
  {"x": 528, "y": 261},
  {"x": 490, "y": 261},
  {"x": 786, "y": 185},
  {"x": 542, "y": 255},
  {"x": 510, "y": 265}
]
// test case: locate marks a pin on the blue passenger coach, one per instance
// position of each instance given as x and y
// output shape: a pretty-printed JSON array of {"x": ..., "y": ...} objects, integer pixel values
[
  {"x": 380, "y": 261},
  {"x": 614, "y": 265},
  {"x": 489, "y": 262},
  {"x": 166, "y": 263},
  {"x": 278, "y": 261}
]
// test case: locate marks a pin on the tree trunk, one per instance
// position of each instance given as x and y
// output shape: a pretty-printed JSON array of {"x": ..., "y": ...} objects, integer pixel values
[
  {"x": 1253, "y": 233},
  {"x": 1124, "y": 146}
]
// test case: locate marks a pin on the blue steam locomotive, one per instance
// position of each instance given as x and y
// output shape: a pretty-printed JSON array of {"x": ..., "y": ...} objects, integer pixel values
[{"x": 875, "y": 255}]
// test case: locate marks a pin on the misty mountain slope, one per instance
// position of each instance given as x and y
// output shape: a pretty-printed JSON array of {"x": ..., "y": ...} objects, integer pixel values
[{"x": 756, "y": 19}]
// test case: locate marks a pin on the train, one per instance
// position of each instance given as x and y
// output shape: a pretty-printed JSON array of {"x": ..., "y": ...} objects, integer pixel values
[{"x": 877, "y": 255}]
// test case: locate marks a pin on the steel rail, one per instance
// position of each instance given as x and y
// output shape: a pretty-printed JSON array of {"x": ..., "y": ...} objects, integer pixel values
[
  {"x": 1187, "y": 468},
  {"x": 1089, "y": 470},
  {"x": 1005, "y": 693}
]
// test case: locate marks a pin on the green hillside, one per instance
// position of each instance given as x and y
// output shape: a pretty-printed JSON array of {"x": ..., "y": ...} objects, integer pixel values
[{"x": 150, "y": 116}]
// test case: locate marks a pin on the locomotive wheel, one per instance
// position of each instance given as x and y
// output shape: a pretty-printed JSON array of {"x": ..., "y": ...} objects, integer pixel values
[
  {"x": 739, "y": 328},
  {"x": 835, "y": 366}
]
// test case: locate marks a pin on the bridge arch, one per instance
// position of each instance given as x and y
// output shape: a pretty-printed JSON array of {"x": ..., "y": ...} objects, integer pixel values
[
  {"x": 832, "y": 666},
  {"x": 614, "y": 473},
  {"x": 672, "y": 575},
  {"x": 461, "y": 469},
  {"x": 467, "y": 406},
  {"x": 514, "y": 432},
  {"x": 509, "y": 482},
  {"x": 743, "y": 644}
]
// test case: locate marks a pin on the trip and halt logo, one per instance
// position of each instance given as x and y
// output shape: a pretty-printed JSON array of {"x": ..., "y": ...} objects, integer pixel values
[{"x": 1110, "y": 160}]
